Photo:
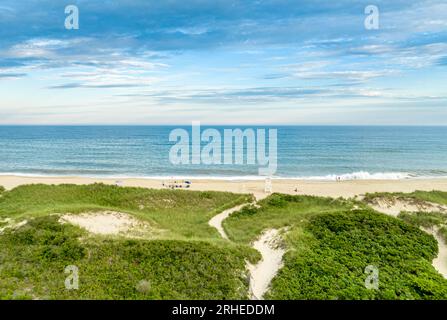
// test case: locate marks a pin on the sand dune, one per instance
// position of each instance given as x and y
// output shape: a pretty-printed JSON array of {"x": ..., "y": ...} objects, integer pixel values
[
  {"x": 271, "y": 251},
  {"x": 393, "y": 207},
  {"x": 265, "y": 270},
  {"x": 440, "y": 262},
  {"x": 217, "y": 220}
]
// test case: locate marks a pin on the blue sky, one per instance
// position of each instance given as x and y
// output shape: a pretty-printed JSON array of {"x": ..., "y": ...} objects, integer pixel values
[{"x": 223, "y": 62}]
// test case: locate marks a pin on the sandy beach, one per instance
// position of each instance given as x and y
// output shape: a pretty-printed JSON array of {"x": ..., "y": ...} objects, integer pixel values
[{"x": 318, "y": 188}]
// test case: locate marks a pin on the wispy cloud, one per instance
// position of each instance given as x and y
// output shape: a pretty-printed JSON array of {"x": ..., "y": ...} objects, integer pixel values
[
  {"x": 209, "y": 54},
  {"x": 12, "y": 75}
]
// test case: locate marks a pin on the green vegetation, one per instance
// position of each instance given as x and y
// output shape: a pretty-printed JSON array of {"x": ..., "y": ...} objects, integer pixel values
[
  {"x": 189, "y": 260},
  {"x": 330, "y": 245},
  {"x": 335, "y": 249},
  {"x": 443, "y": 233},
  {"x": 278, "y": 211},
  {"x": 183, "y": 214},
  {"x": 424, "y": 219},
  {"x": 33, "y": 259},
  {"x": 330, "y": 242},
  {"x": 438, "y": 197},
  {"x": 435, "y": 217},
  {"x": 427, "y": 220}
]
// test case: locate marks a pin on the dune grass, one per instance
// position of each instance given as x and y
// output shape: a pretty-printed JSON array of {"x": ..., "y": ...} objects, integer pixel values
[
  {"x": 190, "y": 261},
  {"x": 435, "y": 219},
  {"x": 427, "y": 220},
  {"x": 33, "y": 259},
  {"x": 443, "y": 233},
  {"x": 330, "y": 244},
  {"x": 278, "y": 211},
  {"x": 424, "y": 219},
  {"x": 183, "y": 214},
  {"x": 439, "y": 197}
]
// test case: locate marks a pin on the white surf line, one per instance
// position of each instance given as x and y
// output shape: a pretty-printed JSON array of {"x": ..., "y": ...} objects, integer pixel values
[
  {"x": 264, "y": 271},
  {"x": 217, "y": 220}
]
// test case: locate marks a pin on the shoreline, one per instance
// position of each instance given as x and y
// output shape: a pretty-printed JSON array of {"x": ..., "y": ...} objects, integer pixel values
[{"x": 346, "y": 188}]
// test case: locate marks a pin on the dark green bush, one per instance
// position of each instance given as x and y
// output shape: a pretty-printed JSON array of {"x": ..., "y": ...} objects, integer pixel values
[
  {"x": 277, "y": 200},
  {"x": 33, "y": 259},
  {"x": 339, "y": 246}
]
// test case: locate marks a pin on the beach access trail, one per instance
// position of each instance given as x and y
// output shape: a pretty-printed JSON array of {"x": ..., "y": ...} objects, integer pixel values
[
  {"x": 262, "y": 273},
  {"x": 218, "y": 219}
]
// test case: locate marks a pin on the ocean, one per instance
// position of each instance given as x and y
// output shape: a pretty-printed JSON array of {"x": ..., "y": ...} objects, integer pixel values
[{"x": 306, "y": 152}]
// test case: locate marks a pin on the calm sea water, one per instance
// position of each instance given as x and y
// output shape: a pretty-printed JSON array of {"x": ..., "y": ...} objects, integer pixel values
[{"x": 313, "y": 152}]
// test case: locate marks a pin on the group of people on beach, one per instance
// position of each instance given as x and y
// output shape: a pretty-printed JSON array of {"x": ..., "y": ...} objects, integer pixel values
[{"x": 184, "y": 184}]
